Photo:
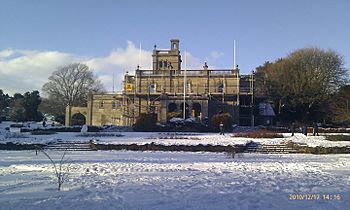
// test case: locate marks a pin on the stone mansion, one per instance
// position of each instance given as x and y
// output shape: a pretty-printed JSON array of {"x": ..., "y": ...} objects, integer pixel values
[{"x": 169, "y": 91}]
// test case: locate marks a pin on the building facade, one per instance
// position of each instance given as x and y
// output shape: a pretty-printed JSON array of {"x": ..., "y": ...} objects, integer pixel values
[{"x": 170, "y": 91}]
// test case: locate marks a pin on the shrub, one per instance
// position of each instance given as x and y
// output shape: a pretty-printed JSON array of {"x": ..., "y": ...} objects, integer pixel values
[
  {"x": 146, "y": 122},
  {"x": 225, "y": 118},
  {"x": 338, "y": 137},
  {"x": 43, "y": 132}
]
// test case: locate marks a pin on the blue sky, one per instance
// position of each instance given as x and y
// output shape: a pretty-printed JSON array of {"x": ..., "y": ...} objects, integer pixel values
[{"x": 37, "y": 36}]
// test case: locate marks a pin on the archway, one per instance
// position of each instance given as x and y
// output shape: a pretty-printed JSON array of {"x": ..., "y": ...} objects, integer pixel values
[
  {"x": 220, "y": 88},
  {"x": 172, "y": 107},
  {"x": 187, "y": 111},
  {"x": 196, "y": 110},
  {"x": 78, "y": 119}
]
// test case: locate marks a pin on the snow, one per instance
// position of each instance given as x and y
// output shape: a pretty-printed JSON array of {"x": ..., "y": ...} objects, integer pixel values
[
  {"x": 176, "y": 120},
  {"x": 173, "y": 180},
  {"x": 166, "y": 138},
  {"x": 314, "y": 141}
]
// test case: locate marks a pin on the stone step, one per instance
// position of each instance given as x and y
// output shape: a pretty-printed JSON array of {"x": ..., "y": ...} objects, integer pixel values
[{"x": 269, "y": 148}]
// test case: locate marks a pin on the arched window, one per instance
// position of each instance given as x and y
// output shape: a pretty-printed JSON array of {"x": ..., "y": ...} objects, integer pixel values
[
  {"x": 160, "y": 64},
  {"x": 153, "y": 88},
  {"x": 196, "y": 110},
  {"x": 189, "y": 87},
  {"x": 220, "y": 88},
  {"x": 172, "y": 107},
  {"x": 114, "y": 104},
  {"x": 78, "y": 119}
]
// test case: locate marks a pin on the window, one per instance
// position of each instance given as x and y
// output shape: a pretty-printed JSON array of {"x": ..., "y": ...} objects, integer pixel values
[
  {"x": 101, "y": 105},
  {"x": 160, "y": 64},
  {"x": 116, "y": 104}
]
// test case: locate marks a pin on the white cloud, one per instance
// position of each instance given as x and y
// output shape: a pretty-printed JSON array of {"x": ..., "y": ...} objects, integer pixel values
[
  {"x": 27, "y": 70},
  {"x": 191, "y": 62},
  {"x": 5, "y": 54},
  {"x": 118, "y": 62},
  {"x": 216, "y": 54}
]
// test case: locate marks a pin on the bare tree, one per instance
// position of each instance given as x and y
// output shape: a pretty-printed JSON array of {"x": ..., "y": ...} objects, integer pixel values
[
  {"x": 61, "y": 172},
  {"x": 70, "y": 85}
]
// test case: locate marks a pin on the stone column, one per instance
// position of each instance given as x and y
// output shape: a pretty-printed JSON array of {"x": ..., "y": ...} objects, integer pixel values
[
  {"x": 204, "y": 109},
  {"x": 163, "y": 109},
  {"x": 68, "y": 115},
  {"x": 89, "y": 110}
]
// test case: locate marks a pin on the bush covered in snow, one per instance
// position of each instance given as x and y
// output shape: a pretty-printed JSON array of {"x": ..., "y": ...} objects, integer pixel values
[
  {"x": 189, "y": 124},
  {"x": 177, "y": 121},
  {"x": 63, "y": 129},
  {"x": 116, "y": 128}
]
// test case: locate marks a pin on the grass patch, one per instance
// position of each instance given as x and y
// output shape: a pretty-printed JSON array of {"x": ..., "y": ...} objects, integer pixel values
[
  {"x": 258, "y": 134},
  {"x": 338, "y": 137}
]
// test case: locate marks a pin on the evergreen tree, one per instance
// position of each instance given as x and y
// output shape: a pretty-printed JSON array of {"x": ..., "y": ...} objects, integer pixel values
[
  {"x": 31, "y": 104},
  {"x": 16, "y": 108},
  {"x": 4, "y": 103}
]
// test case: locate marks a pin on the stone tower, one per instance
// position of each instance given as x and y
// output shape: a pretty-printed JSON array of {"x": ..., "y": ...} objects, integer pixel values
[{"x": 167, "y": 60}]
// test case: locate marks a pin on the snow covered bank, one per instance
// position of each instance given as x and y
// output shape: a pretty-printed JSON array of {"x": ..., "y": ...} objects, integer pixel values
[{"x": 177, "y": 180}]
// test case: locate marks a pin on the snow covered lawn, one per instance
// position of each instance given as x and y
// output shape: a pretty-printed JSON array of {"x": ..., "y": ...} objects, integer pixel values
[
  {"x": 165, "y": 138},
  {"x": 174, "y": 180}
]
